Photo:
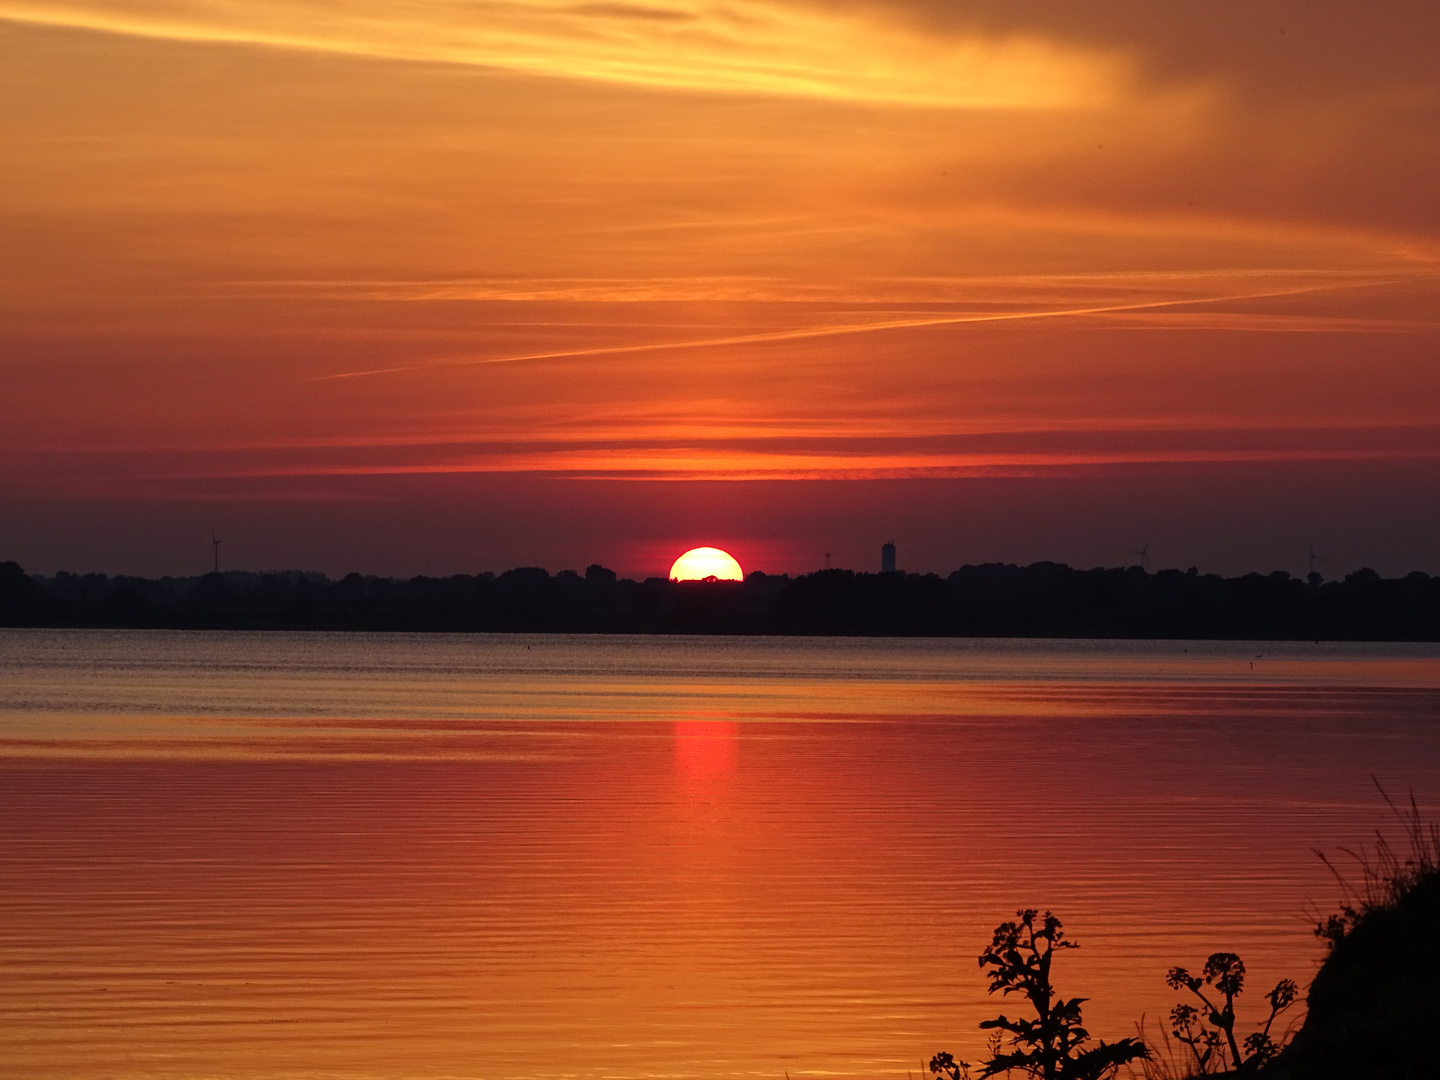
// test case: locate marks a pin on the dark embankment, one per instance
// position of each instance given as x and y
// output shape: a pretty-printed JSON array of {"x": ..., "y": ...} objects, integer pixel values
[
  {"x": 994, "y": 600},
  {"x": 1374, "y": 1007}
]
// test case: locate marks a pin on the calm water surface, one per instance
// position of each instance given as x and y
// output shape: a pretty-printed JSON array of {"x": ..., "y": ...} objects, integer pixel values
[{"x": 310, "y": 855}]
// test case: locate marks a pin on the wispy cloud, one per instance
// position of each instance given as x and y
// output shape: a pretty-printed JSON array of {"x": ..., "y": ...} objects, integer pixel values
[
  {"x": 914, "y": 322},
  {"x": 749, "y": 46},
  {"x": 765, "y": 464}
]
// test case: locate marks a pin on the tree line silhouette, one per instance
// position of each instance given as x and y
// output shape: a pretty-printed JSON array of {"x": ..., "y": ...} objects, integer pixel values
[{"x": 990, "y": 600}]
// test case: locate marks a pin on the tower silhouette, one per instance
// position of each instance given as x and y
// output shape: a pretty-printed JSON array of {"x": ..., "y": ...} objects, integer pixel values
[
  {"x": 1144, "y": 556},
  {"x": 887, "y": 557}
]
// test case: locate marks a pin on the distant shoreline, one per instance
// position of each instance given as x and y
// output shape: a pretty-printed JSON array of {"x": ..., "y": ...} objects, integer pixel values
[{"x": 1043, "y": 600}]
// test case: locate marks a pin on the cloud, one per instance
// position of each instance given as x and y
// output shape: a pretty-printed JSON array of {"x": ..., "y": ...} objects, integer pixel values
[
  {"x": 919, "y": 322},
  {"x": 712, "y": 463},
  {"x": 763, "y": 47},
  {"x": 1283, "y": 47}
]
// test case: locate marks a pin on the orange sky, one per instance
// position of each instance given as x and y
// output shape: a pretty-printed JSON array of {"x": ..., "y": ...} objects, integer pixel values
[{"x": 455, "y": 286}]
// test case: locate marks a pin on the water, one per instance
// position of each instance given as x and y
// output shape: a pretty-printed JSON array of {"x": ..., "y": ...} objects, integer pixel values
[{"x": 311, "y": 855}]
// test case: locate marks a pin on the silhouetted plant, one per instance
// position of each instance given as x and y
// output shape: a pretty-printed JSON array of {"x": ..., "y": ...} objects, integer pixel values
[
  {"x": 1168, "y": 1059},
  {"x": 1373, "y": 1003},
  {"x": 1052, "y": 1045},
  {"x": 1386, "y": 877},
  {"x": 943, "y": 1064},
  {"x": 1209, "y": 1032}
]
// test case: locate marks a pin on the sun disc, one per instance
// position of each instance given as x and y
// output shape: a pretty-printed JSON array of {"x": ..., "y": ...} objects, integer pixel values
[{"x": 700, "y": 563}]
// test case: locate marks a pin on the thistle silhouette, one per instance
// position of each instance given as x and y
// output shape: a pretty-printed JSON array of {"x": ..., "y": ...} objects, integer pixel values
[
  {"x": 1052, "y": 1046},
  {"x": 1209, "y": 1032}
]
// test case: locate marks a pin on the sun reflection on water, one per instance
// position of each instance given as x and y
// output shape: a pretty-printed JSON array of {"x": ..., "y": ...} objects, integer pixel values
[{"x": 706, "y": 751}]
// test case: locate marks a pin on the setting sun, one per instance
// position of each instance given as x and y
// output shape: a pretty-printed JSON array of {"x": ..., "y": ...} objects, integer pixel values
[{"x": 700, "y": 563}]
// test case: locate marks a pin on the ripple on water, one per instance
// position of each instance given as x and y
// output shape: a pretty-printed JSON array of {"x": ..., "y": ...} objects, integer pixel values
[{"x": 500, "y": 856}]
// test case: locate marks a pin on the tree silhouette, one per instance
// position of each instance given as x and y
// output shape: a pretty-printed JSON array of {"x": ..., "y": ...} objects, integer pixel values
[
  {"x": 1052, "y": 1045},
  {"x": 1210, "y": 1032}
]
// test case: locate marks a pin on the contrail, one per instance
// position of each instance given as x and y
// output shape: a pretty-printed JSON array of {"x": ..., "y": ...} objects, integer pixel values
[{"x": 843, "y": 330}]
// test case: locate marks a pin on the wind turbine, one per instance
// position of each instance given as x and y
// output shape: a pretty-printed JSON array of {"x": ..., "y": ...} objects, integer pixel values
[
  {"x": 1144, "y": 555},
  {"x": 215, "y": 543}
]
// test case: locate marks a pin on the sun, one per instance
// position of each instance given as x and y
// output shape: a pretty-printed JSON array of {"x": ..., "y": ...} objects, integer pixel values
[{"x": 700, "y": 563}]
